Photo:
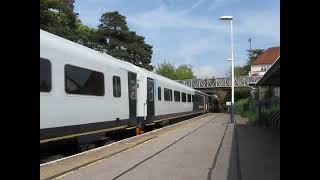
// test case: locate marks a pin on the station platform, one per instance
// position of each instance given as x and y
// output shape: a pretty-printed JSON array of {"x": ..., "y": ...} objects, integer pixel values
[{"x": 204, "y": 147}]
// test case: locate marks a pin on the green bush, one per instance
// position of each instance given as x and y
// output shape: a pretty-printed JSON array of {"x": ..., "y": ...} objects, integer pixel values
[
  {"x": 252, "y": 115},
  {"x": 240, "y": 104},
  {"x": 241, "y": 93}
]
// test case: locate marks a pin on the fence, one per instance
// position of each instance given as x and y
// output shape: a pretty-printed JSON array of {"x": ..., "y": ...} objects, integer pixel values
[
  {"x": 266, "y": 112},
  {"x": 262, "y": 105}
]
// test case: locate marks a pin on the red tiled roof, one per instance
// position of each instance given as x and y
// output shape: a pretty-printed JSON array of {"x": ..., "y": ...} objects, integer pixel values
[{"x": 268, "y": 57}]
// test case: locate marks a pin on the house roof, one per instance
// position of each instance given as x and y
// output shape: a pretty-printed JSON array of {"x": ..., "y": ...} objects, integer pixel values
[{"x": 268, "y": 57}]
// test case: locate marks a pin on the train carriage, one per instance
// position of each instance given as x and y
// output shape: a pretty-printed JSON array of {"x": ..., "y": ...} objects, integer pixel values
[{"x": 86, "y": 93}]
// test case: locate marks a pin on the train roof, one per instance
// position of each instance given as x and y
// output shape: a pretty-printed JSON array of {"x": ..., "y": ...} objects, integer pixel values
[
  {"x": 200, "y": 92},
  {"x": 167, "y": 80},
  {"x": 61, "y": 43}
]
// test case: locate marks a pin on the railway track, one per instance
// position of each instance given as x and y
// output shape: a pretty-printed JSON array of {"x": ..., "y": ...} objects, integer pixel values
[{"x": 114, "y": 136}]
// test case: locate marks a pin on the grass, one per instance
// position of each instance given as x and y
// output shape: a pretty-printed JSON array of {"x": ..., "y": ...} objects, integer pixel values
[
  {"x": 266, "y": 113},
  {"x": 252, "y": 115}
]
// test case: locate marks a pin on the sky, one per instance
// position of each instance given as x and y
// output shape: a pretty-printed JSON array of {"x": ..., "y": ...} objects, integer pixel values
[{"x": 190, "y": 32}]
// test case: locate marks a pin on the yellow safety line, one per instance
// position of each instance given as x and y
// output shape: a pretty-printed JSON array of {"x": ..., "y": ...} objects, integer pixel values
[
  {"x": 59, "y": 177},
  {"x": 173, "y": 117},
  {"x": 136, "y": 145},
  {"x": 131, "y": 143},
  {"x": 104, "y": 130},
  {"x": 131, "y": 127},
  {"x": 82, "y": 134}
]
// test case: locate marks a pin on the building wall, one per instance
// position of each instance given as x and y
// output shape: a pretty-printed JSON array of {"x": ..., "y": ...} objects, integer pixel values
[
  {"x": 255, "y": 68},
  {"x": 259, "y": 69},
  {"x": 266, "y": 92}
]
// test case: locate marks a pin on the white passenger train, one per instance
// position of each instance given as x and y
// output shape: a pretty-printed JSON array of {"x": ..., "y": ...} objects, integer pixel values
[{"x": 85, "y": 92}]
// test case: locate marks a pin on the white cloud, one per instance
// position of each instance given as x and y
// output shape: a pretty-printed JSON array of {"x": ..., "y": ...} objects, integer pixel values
[
  {"x": 162, "y": 17},
  {"x": 214, "y": 37},
  {"x": 207, "y": 71},
  {"x": 189, "y": 36},
  {"x": 194, "y": 6},
  {"x": 215, "y": 4},
  {"x": 191, "y": 49},
  {"x": 257, "y": 22},
  {"x": 263, "y": 23},
  {"x": 192, "y": 52}
]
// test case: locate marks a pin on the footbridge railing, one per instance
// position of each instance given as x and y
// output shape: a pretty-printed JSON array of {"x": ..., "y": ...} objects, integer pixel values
[{"x": 240, "y": 81}]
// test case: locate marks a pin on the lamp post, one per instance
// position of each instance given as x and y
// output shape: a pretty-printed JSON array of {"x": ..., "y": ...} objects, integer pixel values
[{"x": 230, "y": 18}]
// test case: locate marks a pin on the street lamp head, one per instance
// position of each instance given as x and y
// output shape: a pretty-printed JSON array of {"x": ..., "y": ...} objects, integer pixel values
[
  {"x": 226, "y": 18},
  {"x": 229, "y": 59}
]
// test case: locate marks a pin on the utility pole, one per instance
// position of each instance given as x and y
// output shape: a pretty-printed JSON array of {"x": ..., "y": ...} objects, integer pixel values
[
  {"x": 230, "y": 18},
  {"x": 250, "y": 43}
]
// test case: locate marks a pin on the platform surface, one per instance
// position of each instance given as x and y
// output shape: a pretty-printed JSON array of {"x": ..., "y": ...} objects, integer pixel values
[{"x": 205, "y": 147}]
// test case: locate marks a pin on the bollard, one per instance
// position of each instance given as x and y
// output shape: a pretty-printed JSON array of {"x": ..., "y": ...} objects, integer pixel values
[{"x": 232, "y": 111}]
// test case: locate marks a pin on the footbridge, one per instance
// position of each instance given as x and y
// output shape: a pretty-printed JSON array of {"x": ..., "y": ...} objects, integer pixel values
[{"x": 240, "y": 81}]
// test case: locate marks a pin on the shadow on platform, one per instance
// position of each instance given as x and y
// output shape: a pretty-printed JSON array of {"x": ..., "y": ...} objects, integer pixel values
[{"x": 255, "y": 153}]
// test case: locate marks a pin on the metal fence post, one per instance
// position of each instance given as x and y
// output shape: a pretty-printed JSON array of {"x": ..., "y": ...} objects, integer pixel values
[{"x": 258, "y": 109}]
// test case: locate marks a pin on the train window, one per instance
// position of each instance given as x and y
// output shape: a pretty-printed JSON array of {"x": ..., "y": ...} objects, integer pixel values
[
  {"x": 132, "y": 89},
  {"x": 116, "y": 86},
  {"x": 150, "y": 90},
  {"x": 177, "y": 96},
  {"x": 167, "y": 94},
  {"x": 45, "y": 75},
  {"x": 189, "y": 97},
  {"x": 159, "y": 93},
  {"x": 83, "y": 81},
  {"x": 183, "y": 97},
  {"x": 193, "y": 100}
]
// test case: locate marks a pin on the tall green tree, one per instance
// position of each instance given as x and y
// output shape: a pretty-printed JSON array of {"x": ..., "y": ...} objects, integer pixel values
[
  {"x": 118, "y": 41},
  {"x": 169, "y": 70},
  {"x": 184, "y": 71},
  {"x": 166, "y": 69},
  {"x": 57, "y": 17},
  {"x": 86, "y": 36},
  {"x": 112, "y": 36},
  {"x": 240, "y": 71},
  {"x": 252, "y": 55}
]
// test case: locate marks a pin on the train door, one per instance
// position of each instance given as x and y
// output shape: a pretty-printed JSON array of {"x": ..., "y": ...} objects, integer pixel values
[
  {"x": 150, "y": 98},
  {"x": 132, "y": 90},
  {"x": 207, "y": 103}
]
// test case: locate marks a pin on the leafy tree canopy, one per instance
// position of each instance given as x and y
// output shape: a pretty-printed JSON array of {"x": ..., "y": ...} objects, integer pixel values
[
  {"x": 169, "y": 70},
  {"x": 184, "y": 71},
  {"x": 112, "y": 35},
  {"x": 252, "y": 55},
  {"x": 238, "y": 71},
  {"x": 57, "y": 17},
  {"x": 118, "y": 41}
]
